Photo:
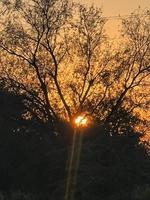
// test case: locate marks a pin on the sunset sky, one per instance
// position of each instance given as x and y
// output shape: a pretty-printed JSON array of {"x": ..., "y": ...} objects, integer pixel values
[{"x": 115, "y": 8}]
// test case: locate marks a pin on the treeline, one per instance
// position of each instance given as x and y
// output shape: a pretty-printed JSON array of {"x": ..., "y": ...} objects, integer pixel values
[{"x": 34, "y": 158}]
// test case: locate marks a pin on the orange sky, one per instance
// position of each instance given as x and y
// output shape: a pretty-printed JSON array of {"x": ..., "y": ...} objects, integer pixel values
[{"x": 115, "y": 8}]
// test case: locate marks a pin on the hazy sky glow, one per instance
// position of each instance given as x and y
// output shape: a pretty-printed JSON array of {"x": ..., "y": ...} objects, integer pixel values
[{"x": 116, "y": 8}]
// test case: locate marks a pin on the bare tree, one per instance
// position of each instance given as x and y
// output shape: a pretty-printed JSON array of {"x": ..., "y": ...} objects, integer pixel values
[
  {"x": 33, "y": 34},
  {"x": 72, "y": 67},
  {"x": 39, "y": 38},
  {"x": 132, "y": 71}
]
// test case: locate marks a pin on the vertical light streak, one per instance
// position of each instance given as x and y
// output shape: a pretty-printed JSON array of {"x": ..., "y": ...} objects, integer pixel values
[{"x": 73, "y": 165}]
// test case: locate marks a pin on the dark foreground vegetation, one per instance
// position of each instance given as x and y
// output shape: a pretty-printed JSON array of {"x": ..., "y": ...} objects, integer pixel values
[{"x": 33, "y": 159}]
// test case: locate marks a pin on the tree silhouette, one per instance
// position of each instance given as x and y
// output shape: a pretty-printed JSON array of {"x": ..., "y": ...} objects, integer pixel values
[
  {"x": 113, "y": 167},
  {"x": 49, "y": 43},
  {"x": 57, "y": 62},
  {"x": 32, "y": 160}
]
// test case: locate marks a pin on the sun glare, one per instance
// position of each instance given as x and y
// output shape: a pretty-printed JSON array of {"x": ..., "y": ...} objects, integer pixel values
[{"x": 81, "y": 121}]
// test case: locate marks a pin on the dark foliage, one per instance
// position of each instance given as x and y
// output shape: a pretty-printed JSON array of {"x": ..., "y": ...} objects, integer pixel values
[
  {"x": 33, "y": 160},
  {"x": 28, "y": 152}
]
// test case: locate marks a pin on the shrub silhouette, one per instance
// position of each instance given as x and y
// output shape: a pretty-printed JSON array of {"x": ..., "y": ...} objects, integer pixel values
[{"x": 113, "y": 163}]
